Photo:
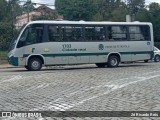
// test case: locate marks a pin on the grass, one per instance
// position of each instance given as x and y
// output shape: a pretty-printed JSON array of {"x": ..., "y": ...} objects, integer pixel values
[
  {"x": 3, "y": 56},
  {"x": 3, "y": 53}
]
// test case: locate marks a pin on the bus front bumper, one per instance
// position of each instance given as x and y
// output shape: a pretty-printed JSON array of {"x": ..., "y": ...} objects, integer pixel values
[{"x": 13, "y": 60}]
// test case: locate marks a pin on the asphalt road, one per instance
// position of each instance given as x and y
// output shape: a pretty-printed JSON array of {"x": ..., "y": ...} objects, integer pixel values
[{"x": 129, "y": 87}]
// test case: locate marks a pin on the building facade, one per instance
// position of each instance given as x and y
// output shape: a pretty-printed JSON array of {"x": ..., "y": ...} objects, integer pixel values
[{"x": 25, "y": 18}]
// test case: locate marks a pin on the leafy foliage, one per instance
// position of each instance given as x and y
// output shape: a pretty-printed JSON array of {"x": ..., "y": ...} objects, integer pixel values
[
  {"x": 154, "y": 17},
  {"x": 8, "y": 12},
  {"x": 77, "y": 9},
  {"x": 5, "y": 35},
  {"x": 47, "y": 15}
]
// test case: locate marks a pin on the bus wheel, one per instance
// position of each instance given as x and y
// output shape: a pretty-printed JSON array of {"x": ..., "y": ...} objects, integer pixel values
[
  {"x": 26, "y": 67},
  {"x": 113, "y": 61},
  {"x": 101, "y": 65},
  {"x": 145, "y": 61},
  {"x": 34, "y": 64},
  {"x": 157, "y": 58}
]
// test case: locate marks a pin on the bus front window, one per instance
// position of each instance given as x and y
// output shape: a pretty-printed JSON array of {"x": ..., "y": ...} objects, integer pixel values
[
  {"x": 12, "y": 44},
  {"x": 32, "y": 34},
  {"x": 14, "y": 40},
  {"x": 22, "y": 39}
]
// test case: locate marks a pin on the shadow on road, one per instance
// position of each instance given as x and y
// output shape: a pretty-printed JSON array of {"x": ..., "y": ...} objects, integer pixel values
[{"x": 74, "y": 67}]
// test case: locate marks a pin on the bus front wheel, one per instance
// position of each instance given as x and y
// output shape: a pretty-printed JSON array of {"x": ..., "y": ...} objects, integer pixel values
[
  {"x": 26, "y": 67},
  {"x": 157, "y": 58},
  {"x": 113, "y": 61},
  {"x": 34, "y": 64}
]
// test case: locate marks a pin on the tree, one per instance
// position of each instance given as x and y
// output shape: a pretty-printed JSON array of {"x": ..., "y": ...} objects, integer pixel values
[
  {"x": 151, "y": 15},
  {"x": 134, "y": 6},
  {"x": 15, "y": 9},
  {"x": 4, "y": 10},
  {"x": 7, "y": 18},
  {"x": 111, "y": 10},
  {"x": 154, "y": 17},
  {"x": 77, "y": 9},
  {"x": 28, "y": 7},
  {"x": 5, "y": 35},
  {"x": 105, "y": 9},
  {"x": 47, "y": 15},
  {"x": 119, "y": 13}
]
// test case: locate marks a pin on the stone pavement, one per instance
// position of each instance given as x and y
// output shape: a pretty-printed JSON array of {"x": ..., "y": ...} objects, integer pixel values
[
  {"x": 129, "y": 87},
  {"x": 5, "y": 66}
]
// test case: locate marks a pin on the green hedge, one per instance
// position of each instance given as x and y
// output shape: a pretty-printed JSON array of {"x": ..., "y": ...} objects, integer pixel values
[{"x": 6, "y": 35}]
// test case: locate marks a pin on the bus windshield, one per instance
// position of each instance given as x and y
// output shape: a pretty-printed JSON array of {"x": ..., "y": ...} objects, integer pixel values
[
  {"x": 14, "y": 40},
  {"x": 12, "y": 44},
  {"x": 31, "y": 35}
]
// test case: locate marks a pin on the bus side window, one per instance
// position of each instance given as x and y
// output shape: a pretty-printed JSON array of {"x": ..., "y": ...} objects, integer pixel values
[
  {"x": 145, "y": 32},
  {"x": 53, "y": 33},
  {"x": 77, "y": 33},
  {"x": 136, "y": 33},
  {"x": 32, "y": 36},
  {"x": 100, "y": 33},
  {"x": 66, "y": 32},
  {"x": 117, "y": 33}
]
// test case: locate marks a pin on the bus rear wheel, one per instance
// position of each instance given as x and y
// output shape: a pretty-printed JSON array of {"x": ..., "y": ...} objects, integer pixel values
[
  {"x": 101, "y": 65},
  {"x": 113, "y": 61},
  {"x": 34, "y": 64}
]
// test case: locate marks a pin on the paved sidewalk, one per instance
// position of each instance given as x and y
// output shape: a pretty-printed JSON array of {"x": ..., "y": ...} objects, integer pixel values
[{"x": 6, "y": 65}]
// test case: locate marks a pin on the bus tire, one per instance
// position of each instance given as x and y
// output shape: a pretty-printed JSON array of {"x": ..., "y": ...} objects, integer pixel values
[
  {"x": 101, "y": 65},
  {"x": 34, "y": 64},
  {"x": 157, "y": 58},
  {"x": 146, "y": 61},
  {"x": 113, "y": 61},
  {"x": 26, "y": 67}
]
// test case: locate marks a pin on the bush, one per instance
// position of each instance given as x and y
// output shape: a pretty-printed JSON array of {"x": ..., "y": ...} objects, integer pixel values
[{"x": 6, "y": 34}]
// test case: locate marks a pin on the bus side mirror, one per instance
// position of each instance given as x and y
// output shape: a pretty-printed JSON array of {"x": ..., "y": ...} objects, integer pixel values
[{"x": 20, "y": 44}]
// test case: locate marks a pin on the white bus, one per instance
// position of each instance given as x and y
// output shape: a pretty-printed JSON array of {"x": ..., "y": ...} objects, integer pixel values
[{"x": 48, "y": 43}]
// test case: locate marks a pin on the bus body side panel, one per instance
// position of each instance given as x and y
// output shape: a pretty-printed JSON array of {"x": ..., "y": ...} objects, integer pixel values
[
  {"x": 84, "y": 52},
  {"x": 90, "y": 52},
  {"x": 126, "y": 57},
  {"x": 55, "y": 60},
  {"x": 98, "y": 59},
  {"x": 78, "y": 59}
]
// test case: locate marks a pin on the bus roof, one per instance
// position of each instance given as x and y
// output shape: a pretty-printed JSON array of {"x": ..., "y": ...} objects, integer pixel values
[{"x": 89, "y": 22}]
